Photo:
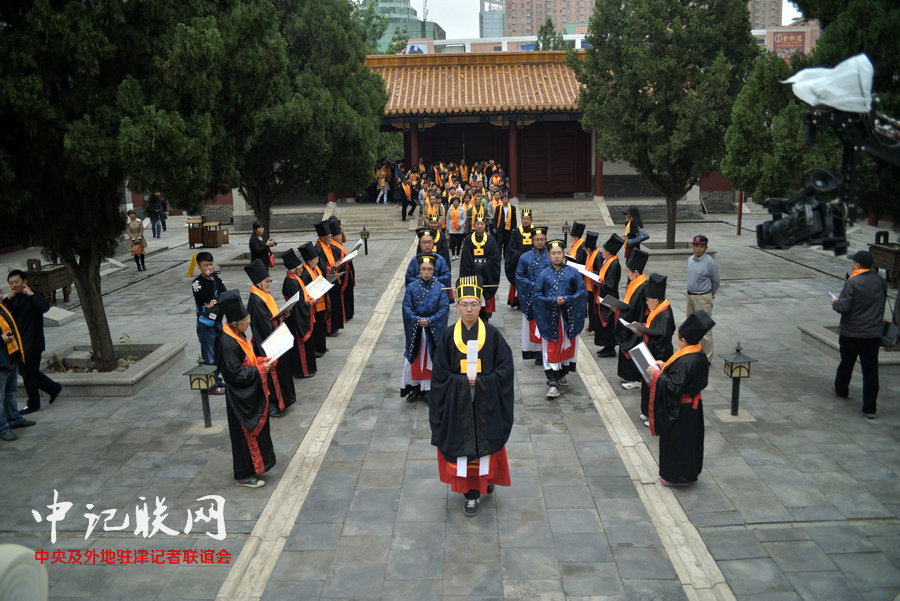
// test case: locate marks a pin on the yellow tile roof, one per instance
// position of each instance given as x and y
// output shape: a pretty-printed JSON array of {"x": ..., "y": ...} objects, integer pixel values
[{"x": 483, "y": 83}]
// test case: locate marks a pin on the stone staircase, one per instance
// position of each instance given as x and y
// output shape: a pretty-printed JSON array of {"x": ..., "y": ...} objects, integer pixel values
[{"x": 375, "y": 218}]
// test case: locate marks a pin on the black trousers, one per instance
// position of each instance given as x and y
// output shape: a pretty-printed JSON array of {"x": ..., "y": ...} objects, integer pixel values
[
  {"x": 36, "y": 381},
  {"x": 867, "y": 351},
  {"x": 456, "y": 242}
]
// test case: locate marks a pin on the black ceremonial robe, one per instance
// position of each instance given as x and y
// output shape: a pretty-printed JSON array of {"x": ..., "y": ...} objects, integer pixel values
[
  {"x": 320, "y": 325},
  {"x": 442, "y": 246},
  {"x": 335, "y": 296},
  {"x": 247, "y": 410},
  {"x": 301, "y": 323},
  {"x": 603, "y": 319},
  {"x": 519, "y": 244},
  {"x": 281, "y": 392},
  {"x": 460, "y": 425},
  {"x": 677, "y": 412},
  {"x": 637, "y": 311},
  {"x": 348, "y": 281},
  {"x": 486, "y": 265},
  {"x": 660, "y": 346}
]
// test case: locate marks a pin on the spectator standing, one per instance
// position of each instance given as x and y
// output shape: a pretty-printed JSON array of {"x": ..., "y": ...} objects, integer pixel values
[
  {"x": 10, "y": 357},
  {"x": 154, "y": 212},
  {"x": 206, "y": 288},
  {"x": 861, "y": 305},
  {"x": 27, "y": 309},
  {"x": 261, "y": 248},
  {"x": 702, "y": 285},
  {"x": 135, "y": 230}
]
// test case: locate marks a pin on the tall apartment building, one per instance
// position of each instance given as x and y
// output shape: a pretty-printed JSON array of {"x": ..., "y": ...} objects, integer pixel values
[
  {"x": 490, "y": 19},
  {"x": 403, "y": 17},
  {"x": 764, "y": 14},
  {"x": 524, "y": 17}
]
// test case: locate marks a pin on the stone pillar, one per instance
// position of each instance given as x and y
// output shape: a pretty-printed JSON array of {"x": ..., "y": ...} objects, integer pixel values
[
  {"x": 332, "y": 197},
  {"x": 598, "y": 176},
  {"x": 414, "y": 145},
  {"x": 513, "y": 159}
]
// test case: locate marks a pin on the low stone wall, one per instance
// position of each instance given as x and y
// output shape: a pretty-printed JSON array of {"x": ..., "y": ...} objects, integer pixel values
[
  {"x": 719, "y": 201},
  {"x": 294, "y": 221}
]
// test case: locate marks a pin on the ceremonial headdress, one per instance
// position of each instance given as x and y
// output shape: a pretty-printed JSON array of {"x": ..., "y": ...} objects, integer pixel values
[
  {"x": 526, "y": 212},
  {"x": 425, "y": 231},
  {"x": 590, "y": 239},
  {"x": 656, "y": 286},
  {"x": 256, "y": 271},
  {"x": 322, "y": 229},
  {"x": 335, "y": 227},
  {"x": 479, "y": 215},
  {"x": 556, "y": 244},
  {"x": 469, "y": 287},
  {"x": 232, "y": 305},
  {"x": 308, "y": 251},
  {"x": 539, "y": 229},
  {"x": 577, "y": 230},
  {"x": 426, "y": 260},
  {"x": 638, "y": 260},
  {"x": 696, "y": 326},
  {"x": 291, "y": 259},
  {"x": 614, "y": 244}
]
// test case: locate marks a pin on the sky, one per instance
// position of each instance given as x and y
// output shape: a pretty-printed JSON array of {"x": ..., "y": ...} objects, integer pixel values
[{"x": 459, "y": 18}]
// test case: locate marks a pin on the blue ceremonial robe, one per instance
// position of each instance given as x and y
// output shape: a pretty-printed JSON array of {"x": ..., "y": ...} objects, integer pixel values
[
  {"x": 423, "y": 300},
  {"x": 441, "y": 271},
  {"x": 531, "y": 265},
  {"x": 550, "y": 284}
]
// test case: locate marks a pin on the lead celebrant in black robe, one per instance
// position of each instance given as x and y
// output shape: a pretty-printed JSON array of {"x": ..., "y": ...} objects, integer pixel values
[
  {"x": 604, "y": 319},
  {"x": 635, "y": 298},
  {"x": 328, "y": 264},
  {"x": 481, "y": 257},
  {"x": 676, "y": 406},
  {"x": 348, "y": 280},
  {"x": 302, "y": 320},
  {"x": 471, "y": 411},
  {"x": 308, "y": 274},
  {"x": 246, "y": 394},
  {"x": 263, "y": 321},
  {"x": 519, "y": 244}
]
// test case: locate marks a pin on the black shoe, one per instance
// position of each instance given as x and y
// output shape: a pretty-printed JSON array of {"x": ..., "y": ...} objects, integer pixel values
[
  {"x": 55, "y": 394},
  {"x": 332, "y": 334},
  {"x": 27, "y": 410},
  {"x": 25, "y": 423},
  {"x": 412, "y": 397},
  {"x": 607, "y": 352},
  {"x": 319, "y": 354},
  {"x": 275, "y": 413},
  {"x": 490, "y": 489},
  {"x": 7, "y": 435},
  {"x": 470, "y": 508},
  {"x": 538, "y": 360}
]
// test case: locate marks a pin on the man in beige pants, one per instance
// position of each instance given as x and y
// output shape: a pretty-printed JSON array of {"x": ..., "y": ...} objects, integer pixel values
[{"x": 702, "y": 285}]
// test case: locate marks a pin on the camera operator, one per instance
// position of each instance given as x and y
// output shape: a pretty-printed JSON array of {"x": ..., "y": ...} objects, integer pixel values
[
  {"x": 260, "y": 248},
  {"x": 861, "y": 305}
]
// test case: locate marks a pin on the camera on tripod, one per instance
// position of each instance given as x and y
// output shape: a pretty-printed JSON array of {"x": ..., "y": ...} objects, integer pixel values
[{"x": 804, "y": 218}]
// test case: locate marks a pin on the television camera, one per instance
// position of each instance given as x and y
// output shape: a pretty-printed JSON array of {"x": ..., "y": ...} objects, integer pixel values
[{"x": 841, "y": 98}]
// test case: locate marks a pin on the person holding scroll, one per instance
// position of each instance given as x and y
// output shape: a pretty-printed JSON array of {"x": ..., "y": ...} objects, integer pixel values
[
  {"x": 247, "y": 394},
  {"x": 604, "y": 319},
  {"x": 348, "y": 280},
  {"x": 425, "y": 312},
  {"x": 676, "y": 407},
  {"x": 635, "y": 298},
  {"x": 301, "y": 322},
  {"x": 470, "y": 404},
  {"x": 264, "y": 319},
  {"x": 308, "y": 274},
  {"x": 328, "y": 263}
]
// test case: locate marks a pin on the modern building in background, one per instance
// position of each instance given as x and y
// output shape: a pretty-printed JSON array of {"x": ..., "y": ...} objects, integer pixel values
[
  {"x": 491, "y": 19},
  {"x": 764, "y": 14},
  {"x": 403, "y": 17},
  {"x": 525, "y": 17}
]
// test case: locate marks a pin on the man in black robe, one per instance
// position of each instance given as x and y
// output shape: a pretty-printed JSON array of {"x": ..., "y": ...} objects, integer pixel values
[
  {"x": 470, "y": 404},
  {"x": 481, "y": 257},
  {"x": 676, "y": 408},
  {"x": 302, "y": 319},
  {"x": 604, "y": 318},
  {"x": 635, "y": 298},
  {"x": 246, "y": 394},
  {"x": 519, "y": 244},
  {"x": 309, "y": 273},
  {"x": 347, "y": 283},
  {"x": 328, "y": 260},
  {"x": 264, "y": 319}
]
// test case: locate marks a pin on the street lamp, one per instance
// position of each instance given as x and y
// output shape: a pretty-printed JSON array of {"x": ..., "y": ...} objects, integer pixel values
[
  {"x": 737, "y": 366},
  {"x": 203, "y": 378},
  {"x": 566, "y": 228},
  {"x": 364, "y": 234}
]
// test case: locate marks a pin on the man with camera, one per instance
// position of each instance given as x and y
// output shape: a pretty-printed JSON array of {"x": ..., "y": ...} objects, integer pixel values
[{"x": 861, "y": 305}]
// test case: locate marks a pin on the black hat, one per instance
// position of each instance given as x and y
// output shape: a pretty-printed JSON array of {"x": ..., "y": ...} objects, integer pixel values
[
  {"x": 256, "y": 271},
  {"x": 469, "y": 287},
  {"x": 590, "y": 239},
  {"x": 526, "y": 212},
  {"x": 322, "y": 229},
  {"x": 656, "y": 286},
  {"x": 232, "y": 305},
  {"x": 291, "y": 259},
  {"x": 864, "y": 258},
  {"x": 638, "y": 260},
  {"x": 539, "y": 229},
  {"x": 614, "y": 244},
  {"x": 577, "y": 230},
  {"x": 335, "y": 226},
  {"x": 423, "y": 258},
  {"x": 556, "y": 244},
  {"x": 696, "y": 326},
  {"x": 308, "y": 251},
  {"x": 425, "y": 231},
  {"x": 700, "y": 239}
]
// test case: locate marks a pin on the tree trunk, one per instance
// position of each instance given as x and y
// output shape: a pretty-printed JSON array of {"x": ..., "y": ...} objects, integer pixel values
[
  {"x": 670, "y": 220},
  {"x": 86, "y": 274}
]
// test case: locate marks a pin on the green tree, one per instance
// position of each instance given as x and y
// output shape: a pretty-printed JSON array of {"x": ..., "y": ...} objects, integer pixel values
[
  {"x": 365, "y": 14},
  {"x": 323, "y": 133},
  {"x": 658, "y": 82},
  {"x": 548, "y": 38},
  {"x": 92, "y": 93}
]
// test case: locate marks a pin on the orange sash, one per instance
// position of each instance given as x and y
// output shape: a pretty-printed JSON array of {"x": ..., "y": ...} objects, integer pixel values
[
  {"x": 589, "y": 265},
  {"x": 14, "y": 345},
  {"x": 659, "y": 309},
  {"x": 606, "y": 264},
  {"x": 857, "y": 272},
  {"x": 244, "y": 344},
  {"x": 454, "y": 219},
  {"x": 575, "y": 246},
  {"x": 691, "y": 348},
  {"x": 271, "y": 305},
  {"x": 313, "y": 274},
  {"x": 632, "y": 286},
  {"x": 329, "y": 256},
  {"x": 407, "y": 190}
]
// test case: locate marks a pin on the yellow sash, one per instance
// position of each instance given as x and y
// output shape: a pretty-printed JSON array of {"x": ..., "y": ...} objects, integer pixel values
[{"x": 464, "y": 348}]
